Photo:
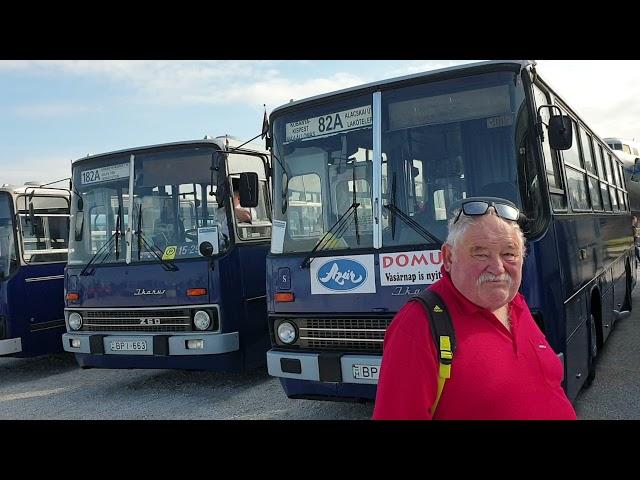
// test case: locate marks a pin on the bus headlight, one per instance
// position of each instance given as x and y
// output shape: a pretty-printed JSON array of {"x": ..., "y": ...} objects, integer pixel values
[
  {"x": 75, "y": 321},
  {"x": 286, "y": 332},
  {"x": 201, "y": 320}
]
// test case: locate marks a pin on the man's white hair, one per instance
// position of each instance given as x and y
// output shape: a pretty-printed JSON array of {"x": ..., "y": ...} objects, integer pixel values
[{"x": 457, "y": 229}]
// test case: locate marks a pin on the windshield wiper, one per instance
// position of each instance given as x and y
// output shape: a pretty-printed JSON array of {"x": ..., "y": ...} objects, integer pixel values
[
  {"x": 139, "y": 230},
  {"x": 411, "y": 223},
  {"x": 406, "y": 218},
  {"x": 168, "y": 265},
  {"x": 104, "y": 249},
  {"x": 341, "y": 225}
]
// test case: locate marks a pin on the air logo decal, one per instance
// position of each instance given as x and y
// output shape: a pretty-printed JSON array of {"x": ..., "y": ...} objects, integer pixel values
[{"x": 343, "y": 275}]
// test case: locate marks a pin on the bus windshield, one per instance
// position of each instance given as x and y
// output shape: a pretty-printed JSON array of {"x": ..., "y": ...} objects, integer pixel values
[
  {"x": 441, "y": 141},
  {"x": 445, "y": 141},
  {"x": 171, "y": 202},
  {"x": 326, "y": 154},
  {"x": 7, "y": 238}
]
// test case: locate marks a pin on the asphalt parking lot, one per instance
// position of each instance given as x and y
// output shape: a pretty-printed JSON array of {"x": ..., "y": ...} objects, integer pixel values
[{"x": 54, "y": 387}]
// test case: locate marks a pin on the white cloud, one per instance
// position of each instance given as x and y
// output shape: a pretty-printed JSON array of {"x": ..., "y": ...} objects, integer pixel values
[
  {"x": 604, "y": 93},
  {"x": 195, "y": 82},
  {"x": 46, "y": 110},
  {"x": 42, "y": 169}
]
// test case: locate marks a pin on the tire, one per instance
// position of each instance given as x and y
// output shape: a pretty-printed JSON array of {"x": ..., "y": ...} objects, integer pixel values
[{"x": 593, "y": 351}]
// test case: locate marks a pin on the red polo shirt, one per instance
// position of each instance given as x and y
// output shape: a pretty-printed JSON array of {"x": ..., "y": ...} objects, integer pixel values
[{"x": 495, "y": 374}]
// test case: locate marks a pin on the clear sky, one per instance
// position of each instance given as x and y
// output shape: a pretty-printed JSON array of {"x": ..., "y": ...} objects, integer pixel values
[{"x": 53, "y": 112}]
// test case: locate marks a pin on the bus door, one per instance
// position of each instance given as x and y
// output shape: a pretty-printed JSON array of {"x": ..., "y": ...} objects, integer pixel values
[
  {"x": 248, "y": 262},
  {"x": 44, "y": 233}
]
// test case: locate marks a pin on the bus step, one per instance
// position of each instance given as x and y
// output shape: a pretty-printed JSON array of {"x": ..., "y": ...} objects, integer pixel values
[{"x": 621, "y": 315}]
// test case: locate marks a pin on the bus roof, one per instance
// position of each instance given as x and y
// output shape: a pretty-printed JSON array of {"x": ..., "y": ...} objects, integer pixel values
[
  {"x": 218, "y": 141},
  {"x": 27, "y": 189},
  {"x": 416, "y": 76}
]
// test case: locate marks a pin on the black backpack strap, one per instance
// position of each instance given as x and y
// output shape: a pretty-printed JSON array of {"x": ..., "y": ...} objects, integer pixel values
[{"x": 443, "y": 336}]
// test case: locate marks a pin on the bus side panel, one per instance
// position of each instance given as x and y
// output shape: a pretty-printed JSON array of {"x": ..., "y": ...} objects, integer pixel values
[
  {"x": 619, "y": 284},
  {"x": 36, "y": 311},
  {"x": 543, "y": 288},
  {"x": 578, "y": 249},
  {"x": 254, "y": 337}
]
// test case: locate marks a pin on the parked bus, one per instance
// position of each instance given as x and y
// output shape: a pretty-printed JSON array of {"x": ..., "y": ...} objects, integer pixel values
[
  {"x": 379, "y": 167},
  {"x": 628, "y": 151},
  {"x": 34, "y": 238},
  {"x": 161, "y": 273}
]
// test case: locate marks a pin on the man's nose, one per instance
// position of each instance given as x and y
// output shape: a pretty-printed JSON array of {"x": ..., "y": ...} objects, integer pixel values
[{"x": 496, "y": 265}]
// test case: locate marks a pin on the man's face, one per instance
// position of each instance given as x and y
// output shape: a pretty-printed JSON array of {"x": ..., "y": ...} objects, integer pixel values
[{"x": 486, "y": 262}]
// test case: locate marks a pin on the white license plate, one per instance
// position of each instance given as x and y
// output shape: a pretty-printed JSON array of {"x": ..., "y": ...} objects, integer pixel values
[
  {"x": 368, "y": 372},
  {"x": 135, "y": 346}
]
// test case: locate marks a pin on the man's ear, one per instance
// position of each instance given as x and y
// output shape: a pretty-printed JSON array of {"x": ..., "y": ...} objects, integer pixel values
[{"x": 447, "y": 256}]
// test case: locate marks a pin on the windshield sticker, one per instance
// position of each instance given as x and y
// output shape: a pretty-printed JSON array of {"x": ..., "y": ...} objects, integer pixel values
[
  {"x": 170, "y": 252},
  {"x": 209, "y": 234},
  {"x": 410, "y": 268},
  {"x": 340, "y": 275},
  {"x": 104, "y": 174},
  {"x": 277, "y": 235},
  {"x": 329, "y": 124}
]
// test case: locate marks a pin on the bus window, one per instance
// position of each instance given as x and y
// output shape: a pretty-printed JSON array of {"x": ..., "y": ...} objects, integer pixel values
[
  {"x": 607, "y": 167},
  {"x": 572, "y": 155},
  {"x": 304, "y": 212},
  {"x": 260, "y": 225},
  {"x": 554, "y": 177},
  {"x": 594, "y": 193},
  {"x": 577, "y": 184},
  {"x": 45, "y": 235},
  {"x": 587, "y": 151},
  {"x": 8, "y": 258}
]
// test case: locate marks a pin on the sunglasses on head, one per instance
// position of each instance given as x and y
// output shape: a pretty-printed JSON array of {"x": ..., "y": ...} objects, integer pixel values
[{"x": 480, "y": 207}]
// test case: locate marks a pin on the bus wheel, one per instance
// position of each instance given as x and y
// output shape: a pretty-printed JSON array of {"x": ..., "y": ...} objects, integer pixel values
[{"x": 593, "y": 351}]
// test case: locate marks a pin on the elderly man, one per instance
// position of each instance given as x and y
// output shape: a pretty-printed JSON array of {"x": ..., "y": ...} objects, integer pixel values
[{"x": 503, "y": 367}]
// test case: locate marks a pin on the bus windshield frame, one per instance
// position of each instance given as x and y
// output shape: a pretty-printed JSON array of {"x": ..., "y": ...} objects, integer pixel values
[
  {"x": 416, "y": 148},
  {"x": 172, "y": 210}
]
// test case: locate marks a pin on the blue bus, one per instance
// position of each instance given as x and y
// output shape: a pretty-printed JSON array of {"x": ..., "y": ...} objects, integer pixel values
[
  {"x": 34, "y": 240},
  {"x": 162, "y": 273},
  {"x": 363, "y": 181}
]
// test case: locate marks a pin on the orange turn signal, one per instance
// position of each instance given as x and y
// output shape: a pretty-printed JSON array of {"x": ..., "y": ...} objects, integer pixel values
[
  {"x": 285, "y": 297},
  {"x": 73, "y": 297},
  {"x": 196, "y": 292}
]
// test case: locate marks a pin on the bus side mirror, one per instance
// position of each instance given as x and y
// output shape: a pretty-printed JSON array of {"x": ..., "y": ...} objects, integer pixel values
[
  {"x": 248, "y": 189},
  {"x": 78, "y": 226},
  {"x": 635, "y": 176},
  {"x": 560, "y": 132}
]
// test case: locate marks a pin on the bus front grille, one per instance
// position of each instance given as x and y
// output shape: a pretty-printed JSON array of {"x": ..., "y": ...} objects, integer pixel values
[
  {"x": 178, "y": 320},
  {"x": 359, "y": 334}
]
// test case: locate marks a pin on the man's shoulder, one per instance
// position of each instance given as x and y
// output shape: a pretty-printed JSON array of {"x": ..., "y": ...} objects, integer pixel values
[{"x": 411, "y": 318}]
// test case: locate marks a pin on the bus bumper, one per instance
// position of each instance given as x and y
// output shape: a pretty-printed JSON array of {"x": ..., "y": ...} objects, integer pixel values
[
  {"x": 10, "y": 345},
  {"x": 324, "y": 367},
  {"x": 154, "y": 344}
]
